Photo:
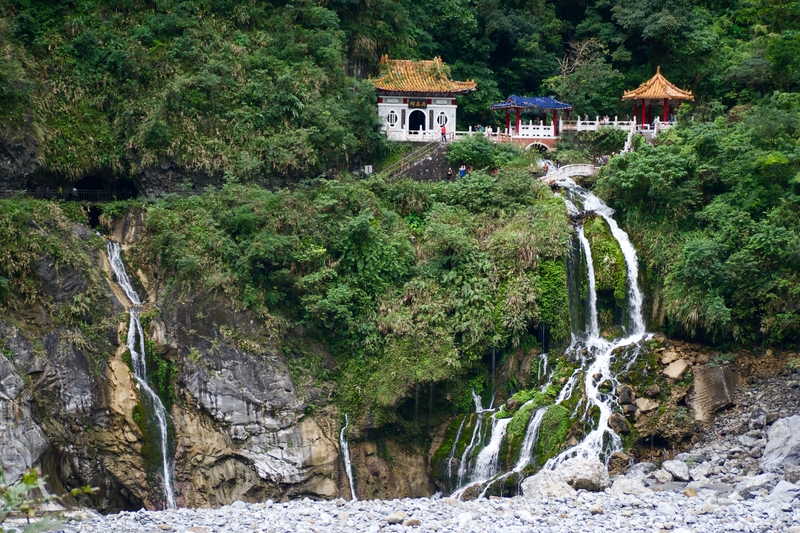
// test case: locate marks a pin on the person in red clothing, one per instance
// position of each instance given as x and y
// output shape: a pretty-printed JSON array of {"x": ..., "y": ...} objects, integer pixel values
[{"x": 444, "y": 133}]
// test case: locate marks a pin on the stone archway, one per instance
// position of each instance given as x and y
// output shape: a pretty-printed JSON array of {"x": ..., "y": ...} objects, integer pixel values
[
  {"x": 542, "y": 147},
  {"x": 416, "y": 121}
]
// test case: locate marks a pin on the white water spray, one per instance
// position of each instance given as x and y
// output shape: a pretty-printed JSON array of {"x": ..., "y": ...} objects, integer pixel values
[
  {"x": 602, "y": 440},
  {"x": 486, "y": 464},
  {"x": 139, "y": 365},
  {"x": 530, "y": 440},
  {"x": 453, "y": 449},
  {"x": 348, "y": 467}
]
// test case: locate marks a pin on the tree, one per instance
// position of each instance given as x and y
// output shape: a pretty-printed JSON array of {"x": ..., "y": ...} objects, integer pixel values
[{"x": 587, "y": 80}]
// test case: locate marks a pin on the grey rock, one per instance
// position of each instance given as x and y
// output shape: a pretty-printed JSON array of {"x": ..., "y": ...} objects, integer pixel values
[
  {"x": 641, "y": 469},
  {"x": 545, "y": 485},
  {"x": 584, "y": 474},
  {"x": 784, "y": 492},
  {"x": 618, "y": 423},
  {"x": 626, "y": 485},
  {"x": 678, "y": 469},
  {"x": 791, "y": 473},
  {"x": 662, "y": 476},
  {"x": 783, "y": 445},
  {"x": 700, "y": 471},
  {"x": 750, "y": 486}
]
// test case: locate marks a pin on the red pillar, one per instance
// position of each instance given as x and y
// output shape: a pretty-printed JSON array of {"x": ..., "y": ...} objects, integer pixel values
[
  {"x": 666, "y": 109},
  {"x": 555, "y": 124},
  {"x": 644, "y": 113},
  {"x": 517, "y": 124}
]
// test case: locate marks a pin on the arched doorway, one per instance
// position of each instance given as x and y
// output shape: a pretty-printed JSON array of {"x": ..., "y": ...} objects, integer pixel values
[{"x": 416, "y": 121}]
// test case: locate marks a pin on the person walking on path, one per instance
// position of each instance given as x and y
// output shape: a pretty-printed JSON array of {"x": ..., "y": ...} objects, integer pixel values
[
  {"x": 444, "y": 133},
  {"x": 462, "y": 171}
]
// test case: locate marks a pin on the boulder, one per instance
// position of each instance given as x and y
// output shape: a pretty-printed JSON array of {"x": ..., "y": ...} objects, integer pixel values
[
  {"x": 676, "y": 369},
  {"x": 618, "y": 463},
  {"x": 396, "y": 518},
  {"x": 641, "y": 469},
  {"x": 783, "y": 445},
  {"x": 678, "y": 469},
  {"x": 645, "y": 405},
  {"x": 584, "y": 474},
  {"x": 662, "y": 476},
  {"x": 784, "y": 492},
  {"x": 624, "y": 394},
  {"x": 713, "y": 390},
  {"x": 627, "y": 485},
  {"x": 618, "y": 423},
  {"x": 700, "y": 471},
  {"x": 668, "y": 357},
  {"x": 652, "y": 391},
  {"x": 545, "y": 485},
  {"x": 750, "y": 486}
]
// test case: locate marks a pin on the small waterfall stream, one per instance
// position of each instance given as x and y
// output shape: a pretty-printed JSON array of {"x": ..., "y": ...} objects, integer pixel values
[
  {"x": 348, "y": 467},
  {"x": 135, "y": 333}
]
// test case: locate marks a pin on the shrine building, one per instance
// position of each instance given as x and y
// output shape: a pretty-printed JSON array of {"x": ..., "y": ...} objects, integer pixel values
[
  {"x": 417, "y": 98},
  {"x": 656, "y": 98}
]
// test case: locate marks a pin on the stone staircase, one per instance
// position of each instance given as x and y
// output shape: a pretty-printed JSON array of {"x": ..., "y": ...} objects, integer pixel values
[{"x": 428, "y": 162}]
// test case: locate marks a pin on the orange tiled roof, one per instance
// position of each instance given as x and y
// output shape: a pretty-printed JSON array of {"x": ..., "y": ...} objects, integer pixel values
[
  {"x": 407, "y": 76},
  {"x": 658, "y": 88}
]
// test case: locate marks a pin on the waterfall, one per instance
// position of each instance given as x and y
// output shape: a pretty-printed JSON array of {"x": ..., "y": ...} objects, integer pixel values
[
  {"x": 530, "y": 440},
  {"x": 135, "y": 332},
  {"x": 348, "y": 467},
  {"x": 486, "y": 464},
  {"x": 592, "y": 352},
  {"x": 602, "y": 440},
  {"x": 594, "y": 327},
  {"x": 453, "y": 449}
]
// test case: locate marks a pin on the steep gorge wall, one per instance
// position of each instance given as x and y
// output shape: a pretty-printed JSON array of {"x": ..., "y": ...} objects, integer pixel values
[{"x": 241, "y": 426}]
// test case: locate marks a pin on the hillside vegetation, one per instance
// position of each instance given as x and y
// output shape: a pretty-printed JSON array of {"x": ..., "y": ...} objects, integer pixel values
[{"x": 246, "y": 91}]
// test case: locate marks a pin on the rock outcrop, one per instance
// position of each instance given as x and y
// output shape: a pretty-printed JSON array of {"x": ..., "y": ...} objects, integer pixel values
[{"x": 783, "y": 445}]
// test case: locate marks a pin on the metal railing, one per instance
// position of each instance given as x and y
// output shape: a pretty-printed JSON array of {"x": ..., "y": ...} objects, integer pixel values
[{"x": 409, "y": 160}]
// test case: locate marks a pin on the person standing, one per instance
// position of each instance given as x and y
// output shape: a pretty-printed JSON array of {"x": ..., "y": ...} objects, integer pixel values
[
  {"x": 449, "y": 174},
  {"x": 462, "y": 171},
  {"x": 444, "y": 133}
]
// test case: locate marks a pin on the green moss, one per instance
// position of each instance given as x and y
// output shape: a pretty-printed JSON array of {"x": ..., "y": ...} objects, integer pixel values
[
  {"x": 609, "y": 264},
  {"x": 553, "y": 302},
  {"x": 555, "y": 426}
]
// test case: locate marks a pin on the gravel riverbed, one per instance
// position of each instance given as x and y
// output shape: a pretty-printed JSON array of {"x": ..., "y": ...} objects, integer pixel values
[{"x": 602, "y": 512}]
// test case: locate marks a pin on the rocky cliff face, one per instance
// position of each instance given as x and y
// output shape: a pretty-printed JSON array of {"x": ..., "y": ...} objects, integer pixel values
[{"x": 241, "y": 428}]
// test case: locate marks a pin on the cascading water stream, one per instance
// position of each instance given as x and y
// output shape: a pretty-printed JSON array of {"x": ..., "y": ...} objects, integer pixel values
[
  {"x": 348, "y": 467},
  {"x": 135, "y": 332},
  {"x": 594, "y": 327},
  {"x": 593, "y": 352},
  {"x": 602, "y": 440},
  {"x": 453, "y": 449},
  {"x": 486, "y": 464}
]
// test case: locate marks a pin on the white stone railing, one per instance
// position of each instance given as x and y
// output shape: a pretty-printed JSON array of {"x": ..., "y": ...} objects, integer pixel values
[
  {"x": 569, "y": 171},
  {"x": 598, "y": 123}
]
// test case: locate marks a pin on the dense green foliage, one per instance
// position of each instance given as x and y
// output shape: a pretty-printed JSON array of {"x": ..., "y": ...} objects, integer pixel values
[
  {"x": 247, "y": 89},
  {"x": 407, "y": 283},
  {"x": 215, "y": 86},
  {"x": 713, "y": 208}
]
